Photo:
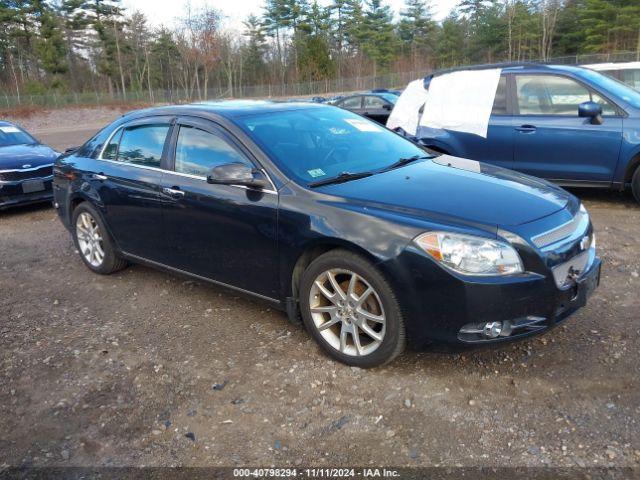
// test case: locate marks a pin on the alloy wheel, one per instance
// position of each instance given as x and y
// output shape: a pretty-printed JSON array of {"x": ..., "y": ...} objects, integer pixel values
[
  {"x": 347, "y": 312},
  {"x": 90, "y": 239}
]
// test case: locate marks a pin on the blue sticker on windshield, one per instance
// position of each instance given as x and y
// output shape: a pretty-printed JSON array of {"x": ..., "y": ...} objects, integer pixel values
[{"x": 316, "y": 172}]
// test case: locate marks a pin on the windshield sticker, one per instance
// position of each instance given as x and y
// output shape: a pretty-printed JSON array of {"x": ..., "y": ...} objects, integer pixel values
[
  {"x": 363, "y": 125},
  {"x": 9, "y": 129},
  {"x": 316, "y": 172}
]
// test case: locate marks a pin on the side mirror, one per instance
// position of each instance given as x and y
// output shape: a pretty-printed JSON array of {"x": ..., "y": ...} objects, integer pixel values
[
  {"x": 591, "y": 110},
  {"x": 237, "y": 174},
  {"x": 386, "y": 106}
]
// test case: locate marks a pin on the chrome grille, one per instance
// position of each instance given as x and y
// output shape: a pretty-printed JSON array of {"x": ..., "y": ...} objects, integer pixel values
[
  {"x": 19, "y": 175},
  {"x": 559, "y": 233}
]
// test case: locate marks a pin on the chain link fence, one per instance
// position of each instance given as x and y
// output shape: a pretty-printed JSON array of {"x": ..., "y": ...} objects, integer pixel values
[{"x": 279, "y": 91}]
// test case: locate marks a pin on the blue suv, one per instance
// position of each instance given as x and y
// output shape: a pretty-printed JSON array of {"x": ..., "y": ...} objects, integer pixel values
[{"x": 570, "y": 125}]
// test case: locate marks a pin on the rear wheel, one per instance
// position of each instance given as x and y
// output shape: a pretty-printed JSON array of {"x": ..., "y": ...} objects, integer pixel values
[
  {"x": 635, "y": 184},
  {"x": 350, "y": 310},
  {"x": 93, "y": 242}
]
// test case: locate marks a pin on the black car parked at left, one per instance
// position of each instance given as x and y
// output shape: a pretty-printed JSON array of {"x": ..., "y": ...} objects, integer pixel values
[{"x": 26, "y": 168}]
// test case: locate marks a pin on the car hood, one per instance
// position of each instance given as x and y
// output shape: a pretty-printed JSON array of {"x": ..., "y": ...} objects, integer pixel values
[
  {"x": 17, "y": 156},
  {"x": 457, "y": 188}
]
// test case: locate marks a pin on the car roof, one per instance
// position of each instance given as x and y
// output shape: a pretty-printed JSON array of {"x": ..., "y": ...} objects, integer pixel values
[
  {"x": 228, "y": 109},
  {"x": 4, "y": 123},
  {"x": 366, "y": 94},
  {"x": 511, "y": 67}
]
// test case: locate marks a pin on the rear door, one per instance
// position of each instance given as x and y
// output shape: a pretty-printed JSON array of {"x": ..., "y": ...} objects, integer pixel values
[
  {"x": 127, "y": 176},
  {"x": 497, "y": 148},
  {"x": 226, "y": 233},
  {"x": 552, "y": 142}
]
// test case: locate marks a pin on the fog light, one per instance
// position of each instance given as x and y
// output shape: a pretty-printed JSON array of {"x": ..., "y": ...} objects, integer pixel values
[{"x": 492, "y": 329}]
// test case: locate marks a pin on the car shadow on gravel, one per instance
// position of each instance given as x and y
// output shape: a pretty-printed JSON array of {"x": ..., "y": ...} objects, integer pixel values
[{"x": 613, "y": 198}]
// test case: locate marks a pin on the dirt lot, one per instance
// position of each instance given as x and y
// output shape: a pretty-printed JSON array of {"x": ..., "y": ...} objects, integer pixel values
[{"x": 145, "y": 368}]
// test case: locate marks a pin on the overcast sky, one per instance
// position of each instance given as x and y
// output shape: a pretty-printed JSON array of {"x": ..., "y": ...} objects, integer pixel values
[{"x": 163, "y": 12}]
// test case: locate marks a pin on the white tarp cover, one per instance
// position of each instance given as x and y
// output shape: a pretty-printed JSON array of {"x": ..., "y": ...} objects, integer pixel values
[
  {"x": 406, "y": 112},
  {"x": 461, "y": 101}
]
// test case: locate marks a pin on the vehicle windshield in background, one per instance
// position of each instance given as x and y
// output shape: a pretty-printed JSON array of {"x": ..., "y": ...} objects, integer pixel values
[
  {"x": 615, "y": 86},
  {"x": 311, "y": 145},
  {"x": 10, "y": 135},
  {"x": 390, "y": 97}
]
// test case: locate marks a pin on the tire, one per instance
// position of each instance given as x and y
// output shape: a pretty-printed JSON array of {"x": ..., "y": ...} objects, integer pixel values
[
  {"x": 363, "y": 325},
  {"x": 635, "y": 184},
  {"x": 91, "y": 237}
]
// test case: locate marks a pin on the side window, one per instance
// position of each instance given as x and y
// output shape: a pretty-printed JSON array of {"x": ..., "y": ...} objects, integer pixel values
[
  {"x": 142, "y": 145},
  {"x": 111, "y": 149},
  {"x": 500, "y": 102},
  {"x": 554, "y": 95},
  {"x": 197, "y": 152},
  {"x": 351, "y": 102},
  {"x": 373, "y": 102}
]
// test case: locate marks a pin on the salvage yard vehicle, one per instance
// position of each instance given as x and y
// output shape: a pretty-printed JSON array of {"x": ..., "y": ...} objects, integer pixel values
[
  {"x": 26, "y": 168},
  {"x": 330, "y": 216},
  {"x": 374, "y": 105},
  {"x": 570, "y": 125},
  {"x": 626, "y": 72}
]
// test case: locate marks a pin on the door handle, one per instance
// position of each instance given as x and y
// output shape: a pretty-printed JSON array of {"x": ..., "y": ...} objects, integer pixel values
[
  {"x": 173, "y": 192},
  {"x": 526, "y": 128},
  {"x": 99, "y": 176}
]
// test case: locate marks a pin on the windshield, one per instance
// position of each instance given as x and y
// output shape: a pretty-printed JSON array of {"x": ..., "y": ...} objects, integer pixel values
[
  {"x": 613, "y": 86},
  {"x": 10, "y": 135},
  {"x": 314, "y": 144},
  {"x": 390, "y": 97}
]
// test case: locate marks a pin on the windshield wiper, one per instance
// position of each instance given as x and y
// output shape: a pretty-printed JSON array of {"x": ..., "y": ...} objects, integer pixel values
[
  {"x": 405, "y": 161},
  {"x": 341, "y": 178}
]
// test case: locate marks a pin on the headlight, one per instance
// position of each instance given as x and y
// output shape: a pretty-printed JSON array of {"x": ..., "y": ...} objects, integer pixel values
[{"x": 471, "y": 255}]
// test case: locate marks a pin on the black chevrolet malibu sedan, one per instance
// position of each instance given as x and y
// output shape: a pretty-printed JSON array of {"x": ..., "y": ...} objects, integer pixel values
[
  {"x": 26, "y": 168},
  {"x": 370, "y": 239}
]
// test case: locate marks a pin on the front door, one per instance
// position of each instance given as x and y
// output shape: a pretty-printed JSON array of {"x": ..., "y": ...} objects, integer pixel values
[
  {"x": 552, "y": 142},
  {"x": 127, "y": 176},
  {"x": 226, "y": 233}
]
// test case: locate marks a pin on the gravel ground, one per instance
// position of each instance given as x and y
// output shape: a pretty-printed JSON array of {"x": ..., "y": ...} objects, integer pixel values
[{"x": 145, "y": 368}]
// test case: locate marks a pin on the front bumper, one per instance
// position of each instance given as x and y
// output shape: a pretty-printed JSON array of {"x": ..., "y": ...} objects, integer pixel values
[
  {"x": 566, "y": 302},
  {"x": 437, "y": 304},
  {"x": 24, "y": 192}
]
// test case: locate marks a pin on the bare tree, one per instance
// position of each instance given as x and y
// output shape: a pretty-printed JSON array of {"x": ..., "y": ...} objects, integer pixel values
[{"x": 549, "y": 14}]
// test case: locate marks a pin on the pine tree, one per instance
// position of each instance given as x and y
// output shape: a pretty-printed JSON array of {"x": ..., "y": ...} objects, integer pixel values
[
  {"x": 610, "y": 25},
  {"x": 255, "y": 51},
  {"x": 50, "y": 44},
  {"x": 451, "y": 42},
  {"x": 380, "y": 43},
  {"x": 417, "y": 30}
]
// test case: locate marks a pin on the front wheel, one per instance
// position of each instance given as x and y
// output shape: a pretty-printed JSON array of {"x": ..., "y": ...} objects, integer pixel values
[
  {"x": 635, "y": 184},
  {"x": 93, "y": 241},
  {"x": 351, "y": 311}
]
